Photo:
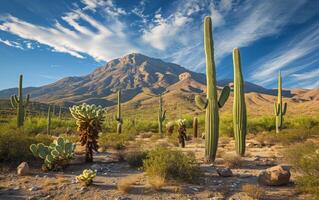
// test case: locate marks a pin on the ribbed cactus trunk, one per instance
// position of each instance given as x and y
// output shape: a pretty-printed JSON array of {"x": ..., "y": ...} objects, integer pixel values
[
  {"x": 211, "y": 103},
  {"x": 18, "y": 103},
  {"x": 49, "y": 121},
  {"x": 119, "y": 118},
  {"x": 195, "y": 127},
  {"x": 239, "y": 106},
  {"x": 161, "y": 116},
  {"x": 279, "y": 108}
]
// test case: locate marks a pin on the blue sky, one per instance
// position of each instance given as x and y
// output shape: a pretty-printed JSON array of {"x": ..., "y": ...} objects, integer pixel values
[{"x": 49, "y": 40}]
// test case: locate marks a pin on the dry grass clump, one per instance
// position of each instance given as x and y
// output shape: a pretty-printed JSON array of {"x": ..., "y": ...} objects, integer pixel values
[
  {"x": 252, "y": 190},
  {"x": 156, "y": 182},
  {"x": 125, "y": 184},
  {"x": 232, "y": 160},
  {"x": 136, "y": 158}
]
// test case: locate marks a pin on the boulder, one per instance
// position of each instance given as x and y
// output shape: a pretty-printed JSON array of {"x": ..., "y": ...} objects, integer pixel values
[
  {"x": 23, "y": 169},
  {"x": 224, "y": 172},
  {"x": 275, "y": 176}
]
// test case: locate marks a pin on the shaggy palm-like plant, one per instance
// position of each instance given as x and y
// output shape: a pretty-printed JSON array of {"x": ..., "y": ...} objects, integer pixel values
[{"x": 89, "y": 120}]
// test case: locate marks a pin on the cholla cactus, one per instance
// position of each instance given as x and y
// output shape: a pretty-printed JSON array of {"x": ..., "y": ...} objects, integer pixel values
[
  {"x": 86, "y": 177},
  {"x": 181, "y": 124},
  {"x": 89, "y": 119},
  {"x": 57, "y": 154}
]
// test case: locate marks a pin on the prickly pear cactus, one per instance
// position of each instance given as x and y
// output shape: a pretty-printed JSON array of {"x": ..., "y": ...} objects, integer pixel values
[
  {"x": 56, "y": 155},
  {"x": 89, "y": 119},
  {"x": 18, "y": 103},
  {"x": 86, "y": 177}
]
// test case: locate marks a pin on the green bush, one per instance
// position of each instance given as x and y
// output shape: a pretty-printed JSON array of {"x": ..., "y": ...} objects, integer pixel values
[
  {"x": 14, "y": 145},
  {"x": 304, "y": 158},
  {"x": 171, "y": 165},
  {"x": 114, "y": 140},
  {"x": 135, "y": 158}
]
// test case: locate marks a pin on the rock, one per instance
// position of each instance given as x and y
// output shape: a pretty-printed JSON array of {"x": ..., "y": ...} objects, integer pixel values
[
  {"x": 34, "y": 188},
  {"x": 16, "y": 188},
  {"x": 240, "y": 196},
  {"x": 97, "y": 167},
  {"x": 23, "y": 169},
  {"x": 275, "y": 176},
  {"x": 224, "y": 172}
]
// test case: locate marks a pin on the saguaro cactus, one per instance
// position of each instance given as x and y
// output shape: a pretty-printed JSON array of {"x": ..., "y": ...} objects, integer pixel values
[
  {"x": 195, "y": 127},
  {"x": 49, "y": 121},
  {"x": 211, "y": 104},
  {"x": 119, "y": 118},
  {"x": 239, "y": 106},
  {"x": 161, "y": 115},
  {"x": 18, "y": 103},
  {"x": 280, "y": 109}
]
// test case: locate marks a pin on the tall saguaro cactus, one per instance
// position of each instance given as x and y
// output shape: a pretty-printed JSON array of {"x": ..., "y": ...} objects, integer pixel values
[
  {"x": 119, "y": 118},
  {"x": 49, "y": 121},
  {"x": 239, "y": 106},
  {"x": 279, "y": 108},
  {"x": 211, "y": 104},
  {"x": 161, "y": 115},
  {"x": 18, "y": 103}
]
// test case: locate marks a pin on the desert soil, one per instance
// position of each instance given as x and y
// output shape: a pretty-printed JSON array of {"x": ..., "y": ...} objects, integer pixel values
[{"x": 62, "y": 185}]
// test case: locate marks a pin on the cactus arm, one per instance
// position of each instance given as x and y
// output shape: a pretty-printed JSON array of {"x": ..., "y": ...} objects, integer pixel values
[
  {"x": 27, "y": 101},
  {"x": 164, "y": 115},
  {"x": 13, "y": 102},
  {"x": 16, "y": 100},
  {"x": 276, "y": 108},
  {"x": 223, "y": 96},
  {"x": 284, "y": 109},
  {"x": 200, "y": 102}
]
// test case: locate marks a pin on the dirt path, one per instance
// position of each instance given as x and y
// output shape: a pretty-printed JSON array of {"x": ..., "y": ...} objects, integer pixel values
[{"x": 58, "y": 185}]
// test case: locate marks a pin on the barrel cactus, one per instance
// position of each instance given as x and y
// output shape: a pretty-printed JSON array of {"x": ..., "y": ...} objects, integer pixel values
[
  {"x": 89, "y": 119},
  {"x": 56, "y": 155},
  {"x": 19, "y": 104},
  {"x": 239, "y": 106},
  {"x": 212, "y": 104},
  {"x": 86, "y": 177},
  {"x": 280, "y": 108}
]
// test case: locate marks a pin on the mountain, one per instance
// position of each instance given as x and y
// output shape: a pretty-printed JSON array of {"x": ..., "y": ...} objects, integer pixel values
[{"x": 133, "y": 74}]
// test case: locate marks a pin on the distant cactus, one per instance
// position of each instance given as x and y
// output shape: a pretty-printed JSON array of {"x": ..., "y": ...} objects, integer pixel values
[
  {"x": 86, "y": 177},
  {"x": 161, "y": 116},
  {"x": 49, "y": 121},
  {"x": 18, "y": 103},
  {"x": 195, "y": 127},
  {"x": 211, "y": 104},
  {"x": 279, "y": 107},
  {"x": 181, "y": 128},
  {"x": 119, "y": 118},
  {"x": 239, "y": 106},
  {"x": 56, "y": 155},
  {"x": 60, "y": 113},
  {"x": 89, "y": 119}
]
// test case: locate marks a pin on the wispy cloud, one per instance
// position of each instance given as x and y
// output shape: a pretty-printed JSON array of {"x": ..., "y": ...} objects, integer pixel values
[{"x": 11, "y": 43}]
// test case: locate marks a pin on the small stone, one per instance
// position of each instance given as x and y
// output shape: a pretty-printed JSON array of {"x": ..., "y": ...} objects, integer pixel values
[
  {"x": 36, "y": 176},
  {"x": 97, "y": 167},
  {"x": 16, "y": 188},
  {"x": 34, "y": 188},
  {"x": 275, "y": 176},
  {"x": 23, "y": 169},
  {"x": 224, "y": 172}
]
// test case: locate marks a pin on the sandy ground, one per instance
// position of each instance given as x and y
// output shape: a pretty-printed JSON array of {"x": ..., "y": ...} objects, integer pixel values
[{"x": 62, "y": 185}]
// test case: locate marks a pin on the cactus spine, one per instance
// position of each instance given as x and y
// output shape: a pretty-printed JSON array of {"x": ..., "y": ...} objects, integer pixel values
[
  {"x": 195, "y": 127},
  {"x": 119, "y": 118},
  {"x": 211, "y": 104},
  {"x": 161, "y": 115},
  {"x": 49, "y": 121},
  {"x": 279, "y": 107},
  {"x": 18, "y": 103},
  {"x": 239, "y": 106}
]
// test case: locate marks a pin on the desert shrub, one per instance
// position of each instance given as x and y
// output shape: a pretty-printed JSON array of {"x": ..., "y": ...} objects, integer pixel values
[
  {"x": 14, "y": 145},
  {"x": 260, "y": 124},
  {"x": 136, "y": 158},
  {"x": 304, "y": 158},
  {"x": 114, "y": 140},
  {"x": 156, "y": 182},
  {"x": 226, "y": 126},
  {"x": 124, "y": 185},
  {"x": 253, "y": 190},
  {"x": 305, "y": 122},
  {"x": 171, "y": 165},
  {"x": 232, "y": 160}
]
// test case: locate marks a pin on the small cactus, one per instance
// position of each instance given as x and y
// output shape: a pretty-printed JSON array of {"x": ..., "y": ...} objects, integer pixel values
[
  {"x": 119, "y": 118},
  {"x": 86, "y": 177},
  {"x": 57, "y": 154},
  {"x": 280, "y": 108},
  {"x": 18, "y": 103},
  {"x": 181, "y": 128}
]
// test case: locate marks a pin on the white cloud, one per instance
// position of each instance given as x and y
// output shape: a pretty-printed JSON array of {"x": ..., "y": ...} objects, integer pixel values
[{"x": 11, "y": 43}]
